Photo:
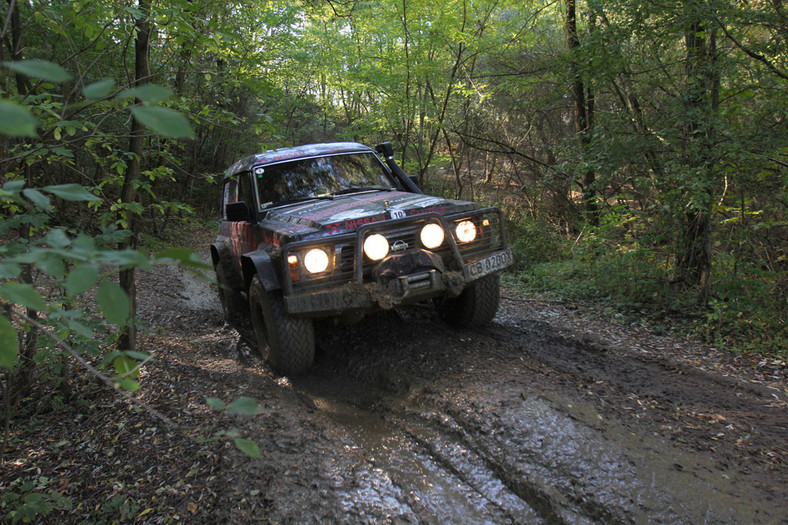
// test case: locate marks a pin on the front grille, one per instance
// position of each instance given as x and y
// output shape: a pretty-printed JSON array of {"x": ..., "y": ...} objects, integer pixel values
[{"x": 347, "y": 248}]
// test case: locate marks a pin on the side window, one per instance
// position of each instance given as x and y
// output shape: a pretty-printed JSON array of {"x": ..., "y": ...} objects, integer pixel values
[
  {"x": 230, "y": 194},
  {"x": 245, "y": 190}
]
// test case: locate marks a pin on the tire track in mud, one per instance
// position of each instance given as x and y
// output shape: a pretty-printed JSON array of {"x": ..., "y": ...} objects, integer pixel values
[
  {"x": 505, "y": 439},
  {"x": 490, "y": 426}
]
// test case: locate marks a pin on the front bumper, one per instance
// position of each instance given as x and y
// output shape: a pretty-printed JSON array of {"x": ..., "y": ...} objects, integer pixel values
[
  {"x": 358, "y": 285},
  {"x": 370, "y": 296}
]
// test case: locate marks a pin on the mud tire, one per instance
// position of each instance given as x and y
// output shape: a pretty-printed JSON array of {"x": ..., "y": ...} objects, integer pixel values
[
  {"x": 235, "y": 308},
  {"x": 475, "y": 306},
  {"x": 287, "y": 343}
]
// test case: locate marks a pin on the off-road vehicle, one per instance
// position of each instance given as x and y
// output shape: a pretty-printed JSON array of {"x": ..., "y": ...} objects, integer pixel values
[{"x": 331, "y": 230}]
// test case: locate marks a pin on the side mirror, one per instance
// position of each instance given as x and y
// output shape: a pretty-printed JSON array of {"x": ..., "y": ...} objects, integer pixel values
[{"x": 238, "y": 212}]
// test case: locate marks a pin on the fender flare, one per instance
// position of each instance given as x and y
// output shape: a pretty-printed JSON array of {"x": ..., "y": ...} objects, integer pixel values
[
  {"x": 221, "y": 257},
  {"x": 259, "y": 263}
]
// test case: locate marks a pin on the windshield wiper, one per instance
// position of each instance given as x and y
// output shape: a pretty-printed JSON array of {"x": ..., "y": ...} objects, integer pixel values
[{"x": 359, "y": 189}]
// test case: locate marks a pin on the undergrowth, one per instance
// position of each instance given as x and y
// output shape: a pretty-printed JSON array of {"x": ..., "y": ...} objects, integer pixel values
[{"x": 745, "y": 311}]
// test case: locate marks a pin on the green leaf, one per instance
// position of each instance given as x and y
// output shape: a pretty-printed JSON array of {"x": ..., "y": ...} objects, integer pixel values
[
  {"x": 129, "y": 385},
  {"x": 244, "y": 406},
  {"x": 57, "y": 238},
  {"x": 79, "y": 328},
  {"x": 126, "y": 258},
  {"x": 40, "y": 200},
  {"x": 9, "y": 344},
  {"x": 139, "y": 356},
  {"x": 163, "y": 121},
  {"x": 40, "y": 69},
  {"x": 148, "y": 93},
  {"x": 14, "y": 186},
  {"x": 182, "y": 256},
  {"x": 51, "y": 264},
  {"x": 248, "y": 447},
  {"x": 99, "y": 89},
  {"x": 215, "y": 403},
  {"x": 126, "y": 366},
  {"x": 113, "y": 302},
  {"x": 23, "y": 294},
  {"x": 16, "y": 121},
  {"x": 81, "y": 278},
  {"x": 71, "y": 192},
  {"x": 9, "y": 270}
]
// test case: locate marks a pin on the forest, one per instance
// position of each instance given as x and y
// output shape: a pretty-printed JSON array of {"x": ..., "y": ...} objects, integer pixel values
[{"x": 638, "y": 150}]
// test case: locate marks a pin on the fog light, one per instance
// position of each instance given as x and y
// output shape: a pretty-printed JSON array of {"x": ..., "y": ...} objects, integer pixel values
[
  {"x": 432, "y": 235},
  {"x": 466, "y": 231},
  {"x": 376, "y": 247},
  {"x": 316, "y": 261}
]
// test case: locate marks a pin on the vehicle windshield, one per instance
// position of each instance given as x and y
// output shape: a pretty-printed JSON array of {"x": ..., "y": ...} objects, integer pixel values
[{"x": 321, "y": 177}]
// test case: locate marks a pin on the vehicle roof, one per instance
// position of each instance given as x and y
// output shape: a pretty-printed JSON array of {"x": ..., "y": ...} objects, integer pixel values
[{"x": 295, "y": 153}]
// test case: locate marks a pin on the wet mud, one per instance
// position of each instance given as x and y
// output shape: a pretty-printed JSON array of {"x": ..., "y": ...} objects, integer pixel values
[{"x": 404, "y": 419}]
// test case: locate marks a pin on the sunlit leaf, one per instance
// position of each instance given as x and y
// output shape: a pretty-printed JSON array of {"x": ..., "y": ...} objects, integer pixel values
[
  {"x": 9, "y": 345},
  {"x": 113, "y": 302},
  {"x": 163, "y": 121},
  {"x": 16, "y": 121},
  {"x": 40, "y": 69}
]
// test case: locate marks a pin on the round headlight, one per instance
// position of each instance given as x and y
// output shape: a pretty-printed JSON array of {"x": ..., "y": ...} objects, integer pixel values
[
  {"x": 431, "y": 235},
  {"x": 466, "y": 231},
  {"x": 376, "y": 247},
  {"x": 316, "y": 261}
]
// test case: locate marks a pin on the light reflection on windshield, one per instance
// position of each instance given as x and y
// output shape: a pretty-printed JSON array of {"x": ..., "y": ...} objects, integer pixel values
[{"x": 321, "y": 177}]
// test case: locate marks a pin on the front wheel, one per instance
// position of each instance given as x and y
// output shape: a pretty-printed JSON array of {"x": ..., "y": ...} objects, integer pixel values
[
  {"x": 286, "y": 342},
  {"x": 475, "y": 306}
]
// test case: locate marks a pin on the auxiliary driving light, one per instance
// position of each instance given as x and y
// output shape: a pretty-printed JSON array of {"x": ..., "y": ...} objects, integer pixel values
[
  {"x": 466, "y": 231},
  {"x": 432, "y": 235},
  {"x": 316, "y": 261},
  {"x": 376, "y": 246}
]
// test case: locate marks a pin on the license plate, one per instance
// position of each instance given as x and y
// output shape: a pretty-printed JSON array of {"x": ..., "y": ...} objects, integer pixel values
[{"x": 493, "y": 263}]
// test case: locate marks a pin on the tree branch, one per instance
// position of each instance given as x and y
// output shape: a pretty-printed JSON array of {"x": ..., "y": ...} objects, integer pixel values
[{"x": 93, "y": 370}]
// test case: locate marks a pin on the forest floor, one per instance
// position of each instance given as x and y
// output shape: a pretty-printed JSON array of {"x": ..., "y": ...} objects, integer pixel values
[{"x": 549, "y": 415}]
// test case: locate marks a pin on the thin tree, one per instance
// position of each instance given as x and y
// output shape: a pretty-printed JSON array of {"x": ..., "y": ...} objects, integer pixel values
[{"x": 128, "y": 194}]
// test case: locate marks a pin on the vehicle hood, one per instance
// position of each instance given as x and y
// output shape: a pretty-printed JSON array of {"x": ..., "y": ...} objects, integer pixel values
[{"x": 347, "y": 213}]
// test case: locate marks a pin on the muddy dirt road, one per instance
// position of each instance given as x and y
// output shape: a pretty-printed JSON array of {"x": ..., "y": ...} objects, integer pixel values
[
  {"x": 545, "y": 416},
  {"x": 530, "y": 420}
]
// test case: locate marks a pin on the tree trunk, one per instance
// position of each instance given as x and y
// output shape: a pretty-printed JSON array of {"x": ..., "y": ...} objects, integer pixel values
[
  {"x": 128, "y": 335},
  {"x": 693, "y": 258},
  {"x": 584, "y": 111}
]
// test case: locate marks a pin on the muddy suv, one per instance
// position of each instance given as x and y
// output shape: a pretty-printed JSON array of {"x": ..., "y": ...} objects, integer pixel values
[{"x": 331, "y": 230}]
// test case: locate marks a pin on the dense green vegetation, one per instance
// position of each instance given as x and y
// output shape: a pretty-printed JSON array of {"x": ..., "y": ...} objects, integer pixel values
[{"x": 639, "y": 149}]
